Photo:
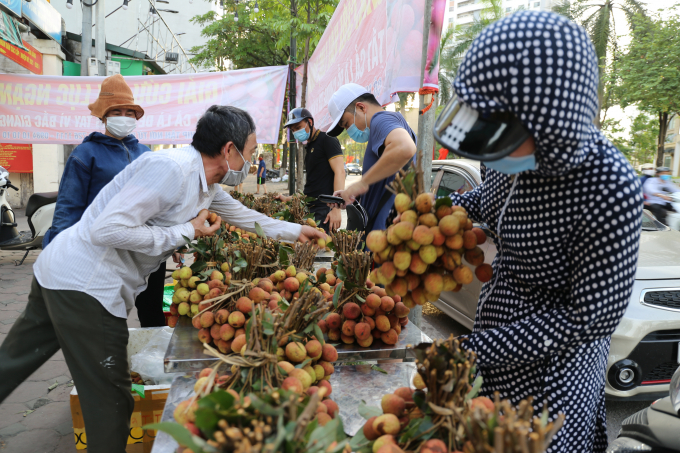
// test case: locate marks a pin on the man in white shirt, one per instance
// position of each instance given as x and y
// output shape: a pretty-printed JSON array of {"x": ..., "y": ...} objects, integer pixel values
[
  {"x": 86, "y": 282},
  {"x": 657, "y": 190}
]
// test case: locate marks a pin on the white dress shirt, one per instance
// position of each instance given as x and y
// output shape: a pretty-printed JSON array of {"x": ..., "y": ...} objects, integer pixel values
[
  {"x": 136, "y": 222},
  {"x": 657, "y": 185}
]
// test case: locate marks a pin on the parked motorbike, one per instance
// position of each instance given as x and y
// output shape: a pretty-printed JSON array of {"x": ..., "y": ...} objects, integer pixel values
[
  {"x": 39, "y": 210},
  {"x": 673, "y": 217},
  {"x": 655, "y": 429}
]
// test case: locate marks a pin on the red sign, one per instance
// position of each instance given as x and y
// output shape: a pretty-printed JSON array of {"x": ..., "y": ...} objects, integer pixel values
[
  {"x": 31, "y": 60},
  {"x": 16, "y": 158}
]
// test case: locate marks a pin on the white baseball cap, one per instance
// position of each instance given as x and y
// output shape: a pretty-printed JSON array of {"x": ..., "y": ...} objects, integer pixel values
[{"x": 340, "y": 100}]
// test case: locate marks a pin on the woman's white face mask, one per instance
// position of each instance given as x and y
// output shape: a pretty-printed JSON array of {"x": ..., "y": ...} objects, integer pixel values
[{"x": 120, "y": 126}]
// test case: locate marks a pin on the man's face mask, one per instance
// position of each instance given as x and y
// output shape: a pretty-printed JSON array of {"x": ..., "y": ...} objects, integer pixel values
[
  {"x": 354, "y": 132},
  {"x": 489, "y": 137},
  {"x": 301, "y": 135},
  {"x": 236, "y": 177}
]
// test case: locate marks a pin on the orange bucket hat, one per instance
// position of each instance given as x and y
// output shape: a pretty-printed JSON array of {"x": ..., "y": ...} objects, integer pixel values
[{"x": 114, "y": 94}]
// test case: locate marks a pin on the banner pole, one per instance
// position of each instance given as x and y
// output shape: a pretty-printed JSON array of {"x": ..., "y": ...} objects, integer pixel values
[{"x": 292, "y": 146}]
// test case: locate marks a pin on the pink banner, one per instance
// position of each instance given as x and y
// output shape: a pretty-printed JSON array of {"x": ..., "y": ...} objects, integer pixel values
[
  {"x": 50, "y": 109},
  {"x": 431, "y": 79},
  {"x": 375, "y": 43}
]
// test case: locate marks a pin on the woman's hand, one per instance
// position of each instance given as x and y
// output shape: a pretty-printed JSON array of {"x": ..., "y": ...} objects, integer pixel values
[{"x": 309, "y": 233}]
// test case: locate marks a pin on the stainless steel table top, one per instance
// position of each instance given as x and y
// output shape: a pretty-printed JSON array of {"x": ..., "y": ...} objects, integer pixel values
[
  {"x": 182, "y": 388},
  {"x": 351, "y": 384},
  {"x": 185, "y": 352}
]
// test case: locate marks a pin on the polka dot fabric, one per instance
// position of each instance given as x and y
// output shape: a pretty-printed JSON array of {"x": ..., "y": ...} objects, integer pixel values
[{"x": 567, "y": 233}]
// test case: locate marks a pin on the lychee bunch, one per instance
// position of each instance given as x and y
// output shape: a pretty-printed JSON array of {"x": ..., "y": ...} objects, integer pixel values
[{"x": 429, "y": 249}]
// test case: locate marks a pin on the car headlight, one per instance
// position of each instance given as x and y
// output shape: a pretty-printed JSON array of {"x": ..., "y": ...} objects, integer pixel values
[
  {"x": 675, "y": 391},
  {"x": 626, "y": 445}
]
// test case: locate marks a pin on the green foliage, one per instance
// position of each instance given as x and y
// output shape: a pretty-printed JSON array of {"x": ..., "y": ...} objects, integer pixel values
[
  {"x": 250, "y": 42},
  {"x": 648, "y": 75},
  {"x": 598, "y": 20},
  {"x": 456, "y": 41},
  {"x": 640, "y": 144}
]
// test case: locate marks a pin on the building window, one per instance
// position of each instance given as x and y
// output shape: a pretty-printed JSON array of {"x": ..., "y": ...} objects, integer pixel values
[
  {"x": 466, "y": 3},
  {"x": 464, "y": 15},
  {"x": 537, "y": 4},
  {"x": 671, "y": 124},
  {"x": 667, "y": 160},
  {"x": 450, "y": 8},
  {"x": 450, "y": 20},
  {"x": 507, "y": 10}
]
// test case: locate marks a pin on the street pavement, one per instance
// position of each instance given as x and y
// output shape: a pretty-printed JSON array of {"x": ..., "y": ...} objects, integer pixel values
[{"x": 36, "y": 417}]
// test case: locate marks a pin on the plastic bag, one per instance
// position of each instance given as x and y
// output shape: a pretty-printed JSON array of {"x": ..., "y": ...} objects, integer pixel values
[{"x": 149, "y": 361}]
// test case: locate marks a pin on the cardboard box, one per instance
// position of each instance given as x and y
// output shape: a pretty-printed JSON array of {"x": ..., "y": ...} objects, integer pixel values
[{"x": 147, "y": 410}]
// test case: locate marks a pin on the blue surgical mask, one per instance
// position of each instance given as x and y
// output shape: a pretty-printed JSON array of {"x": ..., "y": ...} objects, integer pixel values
[
  {"x": 513, "y": 165},
  {"x": 665, "y": 177},
  {"x": 354, "y": 132},
  {"x": 301, "y": 135}
]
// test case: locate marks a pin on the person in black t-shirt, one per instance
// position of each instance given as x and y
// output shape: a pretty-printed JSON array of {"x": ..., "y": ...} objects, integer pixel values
[{"x": 324, "y": 162}]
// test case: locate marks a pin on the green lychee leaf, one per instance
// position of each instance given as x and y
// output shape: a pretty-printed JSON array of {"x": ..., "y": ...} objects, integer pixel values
[
  {"x": 259, "y": 230},
  {"x": 410, "y": 430},
  {"x": 443, "y": 201},
  {"x": 408, "y": 182},
  {"x": 304, "y": 363},
  {"x": 378, "y": 369},
  {"x": 179, "y": 433},
  {"x": 206, "y": 420},
  {"x": 318, "y": 334},
  {"x": 198, "y": 266},
  {"x": 367, "y": 411},
  {"x": 475, "y": 389},
  {"x": 359, "y": 443},
  {"x": 336, "y": 295}
]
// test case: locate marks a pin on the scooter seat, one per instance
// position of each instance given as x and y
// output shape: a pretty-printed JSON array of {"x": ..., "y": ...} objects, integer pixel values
[{"x": 38, "y": 200}]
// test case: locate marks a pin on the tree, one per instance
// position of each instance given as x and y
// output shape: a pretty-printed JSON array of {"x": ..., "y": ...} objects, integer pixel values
[
  {"x": 250, "y": 42},
  {"x": 262, "y": 37},
  {"x": 457, "y": 40},
  {"x": 640, "y": 145},
  {"x": 598, "y": 20},
  {"x": 648, "y": 75}
]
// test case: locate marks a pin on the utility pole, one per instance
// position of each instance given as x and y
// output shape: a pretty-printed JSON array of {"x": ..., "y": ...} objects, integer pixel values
[
  {"x": 425, "y": 137},
  {"x": 291, "y": 102},
  {"x": 86, "y": 39},
  {"x": 100, "y": 38}
]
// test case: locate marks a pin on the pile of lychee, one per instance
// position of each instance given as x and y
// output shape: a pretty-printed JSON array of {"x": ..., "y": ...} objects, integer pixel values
[
  {"x": 422, "y": 254},
  {"x": 398, "y": 410},
  {"x": 378, "y": 317},
  {"x": 192, "y": 291},
  {"x": 313, "y": 376},
  {"x": 223, "y": 327}
]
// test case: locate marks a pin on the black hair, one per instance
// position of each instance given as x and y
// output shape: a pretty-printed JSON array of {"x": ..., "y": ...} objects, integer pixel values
[
  {"x": 366, "y": 98},
  {"x": 219, "y": 125}
]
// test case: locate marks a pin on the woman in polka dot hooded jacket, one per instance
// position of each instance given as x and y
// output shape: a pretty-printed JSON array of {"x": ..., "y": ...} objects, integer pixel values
[{"x": 567, "y": 232}]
